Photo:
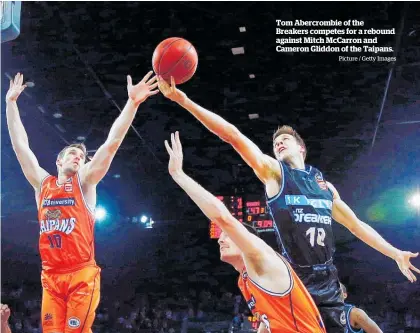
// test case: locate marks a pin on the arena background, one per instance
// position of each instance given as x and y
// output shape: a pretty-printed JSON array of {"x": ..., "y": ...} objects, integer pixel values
[{"x": 77, "y": 56}]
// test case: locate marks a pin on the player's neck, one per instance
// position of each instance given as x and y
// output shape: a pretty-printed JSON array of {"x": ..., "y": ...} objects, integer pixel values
[
  {"x": 296, "y": 163},
  {"x": 238, "y": 264},
  {"x": 62, "y": 177}
]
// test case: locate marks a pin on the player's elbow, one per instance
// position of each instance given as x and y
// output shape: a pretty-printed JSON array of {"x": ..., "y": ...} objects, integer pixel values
[
  {"x": 231, "y": 134},
  {"x": 112, "y": 146},
  {"x": 356, "y": 228},
  {"x": 220, "y": 215}
]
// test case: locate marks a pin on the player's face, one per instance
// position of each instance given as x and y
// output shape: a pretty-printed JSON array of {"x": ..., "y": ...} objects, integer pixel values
[
  {"x": 72, "y": 161},
  {"x": 229, "y": 252},
  {"x": 286, "y": 147}
]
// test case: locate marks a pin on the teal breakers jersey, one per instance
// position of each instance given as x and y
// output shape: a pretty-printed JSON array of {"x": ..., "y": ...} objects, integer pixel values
[
  {"x": 349, "y": 329},
  {"x": 302, "y": 216}
]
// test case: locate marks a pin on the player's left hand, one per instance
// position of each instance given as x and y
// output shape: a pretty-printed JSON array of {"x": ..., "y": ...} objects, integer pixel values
[
  {"x": 5, "y": 313},
  {"x": 171, "y": 91},
  {"x": 175, "y": 154},
  {"x": 142, "y": 90},
  {"x": 405, "y": 266}
]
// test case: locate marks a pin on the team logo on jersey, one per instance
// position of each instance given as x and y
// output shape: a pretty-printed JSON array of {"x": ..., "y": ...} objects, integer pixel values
[
  {"x": 74, "y": 322},
  {"x": 251, "y": 303},
  {"x": 58, "y": 202},
  {"x": 53, "y": 214},
  {"x": 245, "y": 275},
  {"x": 343, "y": 320},
  {"x": 68, "y": 187},
  {"x": 321, "y": 182}
]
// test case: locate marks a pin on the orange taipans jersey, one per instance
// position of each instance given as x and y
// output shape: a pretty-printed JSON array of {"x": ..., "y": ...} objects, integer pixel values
[
  {"x": 66, "y": 241},
  {"x": 289, "y": 312}
]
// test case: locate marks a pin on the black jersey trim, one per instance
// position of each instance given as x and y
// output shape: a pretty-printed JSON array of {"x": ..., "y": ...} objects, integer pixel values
[
  {"x": 83, "y": 196},
  {"x": 287, "y": 292}
]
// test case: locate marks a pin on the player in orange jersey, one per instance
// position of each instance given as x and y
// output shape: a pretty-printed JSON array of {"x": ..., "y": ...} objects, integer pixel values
[
  {"x": 273, "y": 291},
  {"x": 66, "y": 205}
]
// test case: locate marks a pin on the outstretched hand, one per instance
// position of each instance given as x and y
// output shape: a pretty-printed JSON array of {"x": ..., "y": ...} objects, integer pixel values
[
  {"x": 175, "y": 154},
  {"x": 405, "y": 266},
  {"x": 15, "y": 89},
  {"x": 171, "y": 91},
  {"x": 5, "y": 313},
  {"x": 142, "y": 90}
]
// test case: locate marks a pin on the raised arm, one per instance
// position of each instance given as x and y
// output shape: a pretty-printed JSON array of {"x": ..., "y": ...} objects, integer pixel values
[
  {"x": 27, "y": 160},
  {"x": 344, "y": 215},
  {"x": 97, "y": 168},
  {"x": 363, "y": 321},
  {"x": 264, "y": 166},
  {"x": 250, "y": 245}
]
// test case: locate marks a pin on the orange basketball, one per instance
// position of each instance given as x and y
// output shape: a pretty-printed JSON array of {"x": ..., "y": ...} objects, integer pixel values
[{"x": 175, "y": 57}]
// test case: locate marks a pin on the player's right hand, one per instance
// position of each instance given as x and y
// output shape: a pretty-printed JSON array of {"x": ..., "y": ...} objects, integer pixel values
[
  {"x": 15, "y": 88},
  {"x": 5, "y": 313},
  {"x": 175, "y": 154},
  {"x": 170, "y": 91}
]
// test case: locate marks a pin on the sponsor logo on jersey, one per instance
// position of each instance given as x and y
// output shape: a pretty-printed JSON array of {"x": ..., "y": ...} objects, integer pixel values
[
  {"x": 321, "y": 182},
  {"x": 244, "y": 275},
  {"x": 303, "y": 200},
  {"x": 312, "y": 218},
  {"x": 53, "y": 214},
  {"x": 251, "y": 303},
  {"x": 48, "y": 319},
  {"x": 58, "y": 202},
  {"x": 68, "y": 187},
  {"x": 73, "y": 322}
]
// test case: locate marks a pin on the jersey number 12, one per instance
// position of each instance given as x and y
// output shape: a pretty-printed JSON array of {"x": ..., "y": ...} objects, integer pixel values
[{"x": 319, "y": 233}]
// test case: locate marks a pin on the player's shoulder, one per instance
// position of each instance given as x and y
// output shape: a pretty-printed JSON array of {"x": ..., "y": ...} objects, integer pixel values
[
  {"x": 313, "y": 169},
  {"x": 47, "y": 180},
  {"x": 273, "y": 164}
]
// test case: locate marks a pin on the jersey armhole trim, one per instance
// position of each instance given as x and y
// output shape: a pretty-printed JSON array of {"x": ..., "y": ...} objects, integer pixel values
[
  {"x": 269, "y": 200},
  {"x": 349, "y": 323},
  {"x": 83, "y": 196},
  {"x": 285, "y": 293},
  {"x": 39, "y": 189}
]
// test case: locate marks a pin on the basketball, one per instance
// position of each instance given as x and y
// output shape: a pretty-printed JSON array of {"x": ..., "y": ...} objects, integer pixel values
[{"x": 175, "y": 57}]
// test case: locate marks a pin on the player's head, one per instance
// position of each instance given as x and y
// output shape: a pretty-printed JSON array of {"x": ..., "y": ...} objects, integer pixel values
[
  {"x": 343, "y": 290},
  {"x": 71, "y": 158},
  {"x": 288, "y": 144},
  {"x": 229, "y": 252}
]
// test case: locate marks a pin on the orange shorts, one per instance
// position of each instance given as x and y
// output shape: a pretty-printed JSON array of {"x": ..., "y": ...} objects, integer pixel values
[{"x": 69, "y": 300}]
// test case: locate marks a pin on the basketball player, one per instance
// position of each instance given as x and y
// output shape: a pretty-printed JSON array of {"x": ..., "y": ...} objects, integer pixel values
[
  {"x": 357, "y": 321},
  {"x": 5, "y": 314},
  {"x": 66, "y": 205},
  {"x": 274, "y": 293},
  {"x": 302, "y": 205}
]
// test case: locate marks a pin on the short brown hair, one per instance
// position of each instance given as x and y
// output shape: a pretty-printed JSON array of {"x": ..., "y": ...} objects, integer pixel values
[
  {"x": 285, "y": 129},
  {"x": 81, "y": 146}
]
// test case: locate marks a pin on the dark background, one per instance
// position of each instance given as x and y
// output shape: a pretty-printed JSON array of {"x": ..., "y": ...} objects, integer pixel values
[{"x": 78, "y": 56}]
